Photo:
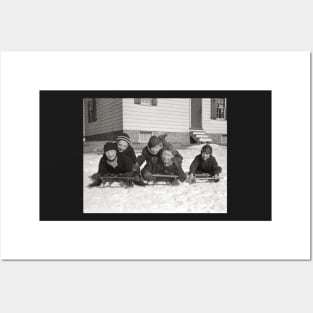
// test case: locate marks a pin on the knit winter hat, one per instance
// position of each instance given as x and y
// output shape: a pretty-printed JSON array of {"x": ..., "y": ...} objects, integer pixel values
[
  {"x": 207, "y": 149},
  {"x": 154, "y": 141},
  {"x": 109, "y": 146},
  {"x": 124, "y": 137}
]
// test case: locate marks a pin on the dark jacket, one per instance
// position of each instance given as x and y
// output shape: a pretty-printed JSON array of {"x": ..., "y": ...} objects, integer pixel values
[
  {"x": 210, "y": 166},
  {"x": 160, "y": 168},
  {"x": 147, "y": 156},
  {"x": 124, "y": 165},
  {"x": 130, "y": 153}
]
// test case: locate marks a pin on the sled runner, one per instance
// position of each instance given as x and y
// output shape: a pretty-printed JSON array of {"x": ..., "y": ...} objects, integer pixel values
[
  {"x": 205, "y": 178},
  {"x": 160, "y": 176},
  {"x": 169, "y": 179},
  {"x": 127, "y": 180}
]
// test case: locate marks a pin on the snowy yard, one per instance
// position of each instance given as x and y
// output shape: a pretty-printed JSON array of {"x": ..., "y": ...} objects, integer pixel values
[{"x": 186, "y": 198}]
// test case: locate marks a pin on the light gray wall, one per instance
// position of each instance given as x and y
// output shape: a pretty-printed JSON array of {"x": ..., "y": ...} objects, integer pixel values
[{"x": 170, "y": 114}]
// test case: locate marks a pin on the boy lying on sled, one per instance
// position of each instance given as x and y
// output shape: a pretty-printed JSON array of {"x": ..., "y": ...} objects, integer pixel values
[
  {"x": 113, "y": 163},
  {"x": 164, "y": 165},
  {"x": 152, "y": 152},
  {"x": 204, "y": 163}
]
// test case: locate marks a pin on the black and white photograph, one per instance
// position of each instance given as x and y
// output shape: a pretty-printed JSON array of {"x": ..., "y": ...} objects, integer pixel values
[{"x": 155, "y": 155}]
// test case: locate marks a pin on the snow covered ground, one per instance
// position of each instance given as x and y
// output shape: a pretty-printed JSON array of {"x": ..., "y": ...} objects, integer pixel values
[{"x": 185, "y": 198}]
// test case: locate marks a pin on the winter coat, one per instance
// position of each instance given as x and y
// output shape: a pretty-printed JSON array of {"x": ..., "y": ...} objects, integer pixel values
[
  {"x": 209, "y": 166},
  {"x": 124, "y": 165},
  {"x": 129, "y": 152},
  {"x": 160, "y": 168},
  {"x": 147, "y": 156}
]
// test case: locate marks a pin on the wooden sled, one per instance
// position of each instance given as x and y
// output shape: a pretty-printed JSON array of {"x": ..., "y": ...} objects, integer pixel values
[
  {"x": 167, "y": 179},
  {"x": 205, "y": 178},
  {"x": 127, "y": 180}
]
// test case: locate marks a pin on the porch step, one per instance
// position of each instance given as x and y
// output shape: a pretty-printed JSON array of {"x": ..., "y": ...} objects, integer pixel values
[
  {"x": 200, "y": 136},
  {"x": 197, "y": 132}
]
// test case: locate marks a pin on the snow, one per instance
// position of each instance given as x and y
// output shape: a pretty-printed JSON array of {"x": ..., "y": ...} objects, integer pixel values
[{"x": 185, "y": 198}]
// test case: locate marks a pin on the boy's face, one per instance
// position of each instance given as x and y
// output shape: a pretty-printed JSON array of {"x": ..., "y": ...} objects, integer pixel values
[
  {"x": 111, "y": 154},
  {"x": 122, "y": 145},
  {"x": 205, "y": 155},
  {"x": 167, "y": 156},
  {"x": 156, "y": 149}
]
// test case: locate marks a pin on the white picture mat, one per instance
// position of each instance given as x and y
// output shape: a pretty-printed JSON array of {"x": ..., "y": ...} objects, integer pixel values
[{"x": 24, "y": 74}]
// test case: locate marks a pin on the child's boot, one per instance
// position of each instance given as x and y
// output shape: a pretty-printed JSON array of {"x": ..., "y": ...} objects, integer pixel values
[
  {"x": 96, "y": 183},
  {"x": 175, "y": 182}
]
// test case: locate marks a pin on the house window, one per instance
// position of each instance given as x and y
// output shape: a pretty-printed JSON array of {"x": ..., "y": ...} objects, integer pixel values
[
  {"x": 224, "y": 139},
  {"x": 144, "y": 136},
  {"x": 146, "y": 101},
  {"x": 92, "y": 110},
  {"x": 218, "y": 109}
]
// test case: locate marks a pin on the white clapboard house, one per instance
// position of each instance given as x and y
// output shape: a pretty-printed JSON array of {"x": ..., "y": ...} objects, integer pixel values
[{"x": 185, "y": 120}]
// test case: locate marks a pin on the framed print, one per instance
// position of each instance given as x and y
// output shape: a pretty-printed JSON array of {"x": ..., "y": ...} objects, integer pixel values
[{"x": 155, "y": 155}]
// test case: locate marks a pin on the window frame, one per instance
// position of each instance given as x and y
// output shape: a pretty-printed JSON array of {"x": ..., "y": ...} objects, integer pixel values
[
  {"x": 224, "y": 139},
  {"x": 153, "y": 102},
  {"x": 144, "y": 140},
  {"x": 224, "y": 118}
]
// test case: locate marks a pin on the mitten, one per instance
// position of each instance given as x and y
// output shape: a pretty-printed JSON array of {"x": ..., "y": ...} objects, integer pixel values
[{"x": 147, "y": 176}]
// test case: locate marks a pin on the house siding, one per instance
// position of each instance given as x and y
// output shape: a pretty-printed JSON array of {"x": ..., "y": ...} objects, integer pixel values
[
  {"x": 170, "y": 115},
  {"x": 109, "y": 117},
  {"x": 209, "y": 125}
]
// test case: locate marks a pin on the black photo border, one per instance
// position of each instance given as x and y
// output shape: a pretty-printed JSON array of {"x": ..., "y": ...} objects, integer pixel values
[{"x": 249, "y": 155}]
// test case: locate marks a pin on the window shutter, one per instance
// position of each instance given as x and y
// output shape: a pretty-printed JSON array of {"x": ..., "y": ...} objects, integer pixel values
[
  {"x": 154, "y": 101},
  {"x": 225, "y": 109},
  {"x": 95, "y": 109},
  {"x": 213, "y": 109},
  {"x": 137, "y": 100}
]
